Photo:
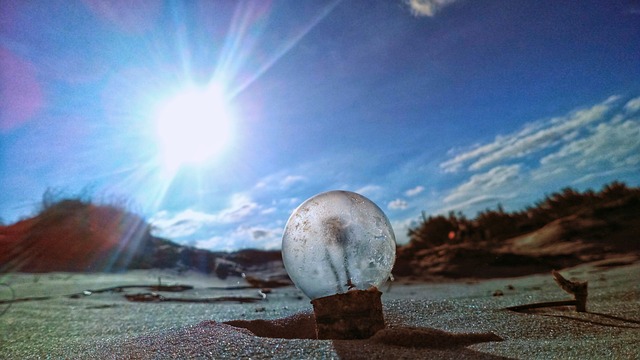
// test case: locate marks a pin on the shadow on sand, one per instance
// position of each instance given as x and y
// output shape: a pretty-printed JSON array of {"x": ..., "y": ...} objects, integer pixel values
[{"x": 425, "y": 342}]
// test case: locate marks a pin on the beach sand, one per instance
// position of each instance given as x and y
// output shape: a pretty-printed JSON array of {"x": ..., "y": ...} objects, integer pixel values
[{"x": 457, "y": 320}]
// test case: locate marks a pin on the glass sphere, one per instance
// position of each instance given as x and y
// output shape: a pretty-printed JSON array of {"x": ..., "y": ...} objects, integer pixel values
[{"x": 338, "y": 241}]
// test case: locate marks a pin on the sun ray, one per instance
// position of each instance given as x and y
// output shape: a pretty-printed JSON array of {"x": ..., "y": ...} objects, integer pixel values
[
  {"x": 286, "y": 47},
  {"x": 239, "y": 43}
]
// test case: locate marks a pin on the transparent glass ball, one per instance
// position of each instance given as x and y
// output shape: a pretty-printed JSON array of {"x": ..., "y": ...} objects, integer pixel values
[{"x": 338, "y": 241}]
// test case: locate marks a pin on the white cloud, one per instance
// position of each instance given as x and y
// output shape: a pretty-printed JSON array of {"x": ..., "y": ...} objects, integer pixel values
[
  {"x": 369, "y": 190},
  {"x": 217, "y": 243},
  {"x": 398, "y": 204},
  {"x": 287, "y": 204},
  {"x": 415, "y": 191},
  {"x": 610, "y": 146},
  {"x": 478, "y": 202},
  {"x": 281, "y": 180},
  {"x": 427, "y": 7},
  {"x": 532, "y": 138},
  {"x": 241, "y": 207},
  {"x": 182, "y": 224},
  {"x": 456, "y": 163},
  {"x": 548, "y": 174},
  {"x": 495, "y": 180},
  {"x": 189, "y": 221},
  {"x": 632, "y": 105},
  {"x": 589, "y": 147},
  {"x": 243, "y": 237},
  {"x": 291, "y": 180}
]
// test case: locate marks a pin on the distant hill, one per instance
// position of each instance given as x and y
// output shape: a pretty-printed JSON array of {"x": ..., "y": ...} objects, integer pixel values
[
  {"x": 77, "y": 236},
  {"x": 565, "y": 229}
]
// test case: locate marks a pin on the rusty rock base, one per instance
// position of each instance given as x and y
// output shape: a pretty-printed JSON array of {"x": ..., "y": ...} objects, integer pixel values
[{"x": 356, "y": 314}]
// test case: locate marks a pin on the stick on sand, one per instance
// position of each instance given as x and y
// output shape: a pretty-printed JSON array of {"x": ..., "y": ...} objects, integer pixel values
[{"x": 576, "y": 288}]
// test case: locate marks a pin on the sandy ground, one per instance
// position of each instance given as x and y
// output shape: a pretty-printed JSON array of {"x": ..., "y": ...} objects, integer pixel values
[{"x": 445, "y": 320}]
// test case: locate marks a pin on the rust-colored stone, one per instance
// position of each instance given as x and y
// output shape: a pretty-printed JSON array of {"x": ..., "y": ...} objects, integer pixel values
[{"x": 356, "y": 314}]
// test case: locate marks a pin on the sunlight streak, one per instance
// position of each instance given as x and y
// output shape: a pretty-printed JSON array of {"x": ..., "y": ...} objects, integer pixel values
[
  {"x": 284, "y": 49},
  {"x": 238, "y": 44}
]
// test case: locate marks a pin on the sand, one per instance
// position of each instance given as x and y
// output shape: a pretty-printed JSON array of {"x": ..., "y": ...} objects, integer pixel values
[{"x": 446, "y": 320}]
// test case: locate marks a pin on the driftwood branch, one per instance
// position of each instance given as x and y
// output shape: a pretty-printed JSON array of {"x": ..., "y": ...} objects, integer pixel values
[
  {"x": 576, "y": 288},
  {"x": 153, "y": 297}
]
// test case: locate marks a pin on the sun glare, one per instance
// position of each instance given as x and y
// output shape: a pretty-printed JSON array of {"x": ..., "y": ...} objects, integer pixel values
[{"x": 193, "y": 126}]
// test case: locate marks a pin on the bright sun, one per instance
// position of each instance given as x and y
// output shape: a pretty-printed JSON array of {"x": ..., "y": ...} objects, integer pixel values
[{"x": 193, "y": 126}]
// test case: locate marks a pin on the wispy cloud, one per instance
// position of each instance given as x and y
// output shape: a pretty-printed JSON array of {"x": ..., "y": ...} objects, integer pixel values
[
  {"x": 428, "y": 7},
  {"x": 280, "y": 181},
  {"x": 610, "y": 146},
  {"x": 609, "y": 149},
  {"x": 218, "y": 243},
  {"x": 184, "y": 223},
  {"x": 633, "y": 105},
  {"x": 498, "y": 178},
  {"x": 243, "y": 237},
  {"x": 595, "y": 143},
  {"x": 371, "y": 191},
  {"x": 291, "y": 180},
  {"x": 241, "y": 207},
  {"x": 532, "y": 138},
  {"x": 398, "y": 204},
  {"x": 478, "y": 202},
  {"x": 189, "y": 221},
  {"x": 415, "y": 191}
]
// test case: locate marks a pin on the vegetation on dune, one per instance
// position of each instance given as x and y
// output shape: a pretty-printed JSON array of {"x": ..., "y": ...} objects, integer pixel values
[
  {"x": 90, "y": 218},
  {"x": 77, "y": 233},
  {"x": 493, "y": 226},
  {"x": 565, "y": 229}
]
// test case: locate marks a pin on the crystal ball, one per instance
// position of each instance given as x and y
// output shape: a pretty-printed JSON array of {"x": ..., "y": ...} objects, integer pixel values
[{"x": 338, "y": 241}]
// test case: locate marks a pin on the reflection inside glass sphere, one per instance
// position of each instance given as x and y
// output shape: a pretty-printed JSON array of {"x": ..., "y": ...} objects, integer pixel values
[{"x": 338, "y": 241}]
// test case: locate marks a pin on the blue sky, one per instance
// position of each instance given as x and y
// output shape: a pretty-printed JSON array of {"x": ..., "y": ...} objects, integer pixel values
[{"x": 428, "y": 106}]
